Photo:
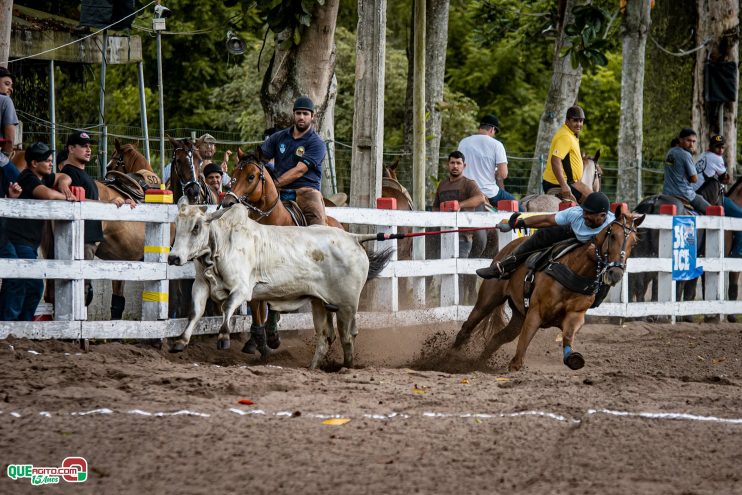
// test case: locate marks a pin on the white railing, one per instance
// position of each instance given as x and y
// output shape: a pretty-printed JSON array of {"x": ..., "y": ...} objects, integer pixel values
[{"x": 70, "y": 268}]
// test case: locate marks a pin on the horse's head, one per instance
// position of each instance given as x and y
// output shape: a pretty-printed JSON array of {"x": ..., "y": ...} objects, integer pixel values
[
  {"x": 248, "y": 180},
  {"x": 126, "y": 158},
  {"x": 185, "y": 170},
  {"x": 614, "y": 244},
  {"x": 390, "y": 171},
  {"x": 591, "y": 171}
]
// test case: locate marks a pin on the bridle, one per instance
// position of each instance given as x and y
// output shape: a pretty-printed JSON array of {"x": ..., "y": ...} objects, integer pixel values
[
  {"x": 202, "y": 191},
  {"x": 603, "y": 264},
  {"x": 245, "y": 198}
]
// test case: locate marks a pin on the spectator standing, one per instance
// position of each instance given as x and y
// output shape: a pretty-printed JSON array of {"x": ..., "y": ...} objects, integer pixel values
[
  {"x": 486, "y": 160},
  {"x": 213, "y": 175},
  {"x": 207, "y": 149},
  {"x": 79, "y": 152},
  {"x": 20, "y": 297},
  {"x": 457, "y": 187}
]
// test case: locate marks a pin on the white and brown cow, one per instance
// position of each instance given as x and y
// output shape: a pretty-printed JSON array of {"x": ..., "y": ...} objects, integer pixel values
[{"x": 240, "y": 260}]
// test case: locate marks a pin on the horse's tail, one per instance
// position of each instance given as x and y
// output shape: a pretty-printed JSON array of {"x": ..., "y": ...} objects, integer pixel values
[{"x": 377, "y": 261}]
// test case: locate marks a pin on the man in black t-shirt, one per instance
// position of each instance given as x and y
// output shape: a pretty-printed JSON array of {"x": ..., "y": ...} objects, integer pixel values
[
  {"x": 19, "y": 297},
  {"x": 79, "y": 152}
]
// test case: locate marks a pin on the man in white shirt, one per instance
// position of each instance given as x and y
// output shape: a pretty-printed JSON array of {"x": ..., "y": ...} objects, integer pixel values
[
  {"x": 486, "y": 161},
  {"x": 711, "y": 163}
]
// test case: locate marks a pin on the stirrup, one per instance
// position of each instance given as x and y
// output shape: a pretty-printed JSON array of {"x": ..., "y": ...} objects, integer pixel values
[{"x": 496, "y": 270}]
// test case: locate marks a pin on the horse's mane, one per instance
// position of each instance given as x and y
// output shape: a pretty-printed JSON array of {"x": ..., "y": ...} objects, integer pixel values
[{"x": 253, "y": 157}]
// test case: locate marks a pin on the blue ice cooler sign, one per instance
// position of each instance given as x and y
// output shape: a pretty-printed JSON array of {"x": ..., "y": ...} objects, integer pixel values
[{"x": 684, "y": 249}]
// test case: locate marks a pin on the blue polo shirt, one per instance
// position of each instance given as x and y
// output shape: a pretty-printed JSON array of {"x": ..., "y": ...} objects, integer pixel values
[
  {"x": 573, "y": 218},
  {"x": 287, "y": 152}
]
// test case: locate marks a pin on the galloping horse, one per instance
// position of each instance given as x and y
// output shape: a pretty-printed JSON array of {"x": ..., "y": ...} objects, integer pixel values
[
  {"x": 551, "y": 303},
  {"x": 254, "y": 187},
  {"x": 591, "y": 175}
]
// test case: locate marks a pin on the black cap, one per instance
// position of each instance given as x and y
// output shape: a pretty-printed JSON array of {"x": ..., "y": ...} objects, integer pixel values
[
  {"x": 79, "y": 138},
  {"x": 575, "y": 112},
  {"x": 596, "y": 202},
  {"x": 304, "y": 103},
  {"x": 38, "y": 152},
  {"x": 211, "y": 168},
  {"x": 717, "y": 140},
  {"x": 490, "y": 120}
]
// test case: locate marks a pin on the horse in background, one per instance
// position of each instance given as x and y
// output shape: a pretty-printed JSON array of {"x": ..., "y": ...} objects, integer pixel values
[
  {"x": 591, "y": 174},
  {"x": 127, "y": 159}
]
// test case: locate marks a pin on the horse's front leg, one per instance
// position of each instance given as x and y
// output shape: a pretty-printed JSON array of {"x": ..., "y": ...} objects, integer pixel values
[
  {"x": 530, "y": 326},
  {"x": 228, "y": 308},
  {"x": 199, "y": 296},
  {"x": 570, "y": 325}
]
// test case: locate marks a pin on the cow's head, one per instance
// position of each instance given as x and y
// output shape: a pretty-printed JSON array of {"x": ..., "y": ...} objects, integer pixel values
[{"x": 191, "y": 234}]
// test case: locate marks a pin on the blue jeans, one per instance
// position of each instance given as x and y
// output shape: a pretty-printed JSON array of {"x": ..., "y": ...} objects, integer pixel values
[
  {"x": 19, "y": 297},
  {"x": 731, "y": 209},
  {"x": 503, "y": 194}
]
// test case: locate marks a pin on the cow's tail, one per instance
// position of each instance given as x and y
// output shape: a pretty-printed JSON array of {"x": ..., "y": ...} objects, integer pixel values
[{"x": 377, "y": 261}]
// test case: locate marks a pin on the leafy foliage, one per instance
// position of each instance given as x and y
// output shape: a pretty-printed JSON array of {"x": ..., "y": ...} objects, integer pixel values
[{"x": 585, "y": 36}]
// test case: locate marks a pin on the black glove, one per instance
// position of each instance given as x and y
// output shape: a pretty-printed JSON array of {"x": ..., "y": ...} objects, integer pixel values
[{"x": 515, "y": 222}]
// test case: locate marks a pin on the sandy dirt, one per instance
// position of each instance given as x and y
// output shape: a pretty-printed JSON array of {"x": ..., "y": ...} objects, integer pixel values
[{"x": 421, "y": 421}]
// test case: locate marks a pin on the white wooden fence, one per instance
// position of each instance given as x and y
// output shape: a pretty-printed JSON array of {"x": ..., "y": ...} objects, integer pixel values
[{"x": 70, "y": 268}]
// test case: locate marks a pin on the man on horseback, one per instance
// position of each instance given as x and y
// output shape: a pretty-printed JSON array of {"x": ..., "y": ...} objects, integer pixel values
[
  {"x": 298, "y": 153},
  {"x": 564, "y": 165},
  {"x": 680, "y": 171},
  {"x": 581, "y": 222}
]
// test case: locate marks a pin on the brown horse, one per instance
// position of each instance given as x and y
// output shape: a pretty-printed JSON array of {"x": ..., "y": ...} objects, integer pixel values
[
  {"x": 186, "y": 177},
  {"x": 253, "y": 186},
  {"x": 126, "y": 159},
  {"x": 551, "y": 303}
]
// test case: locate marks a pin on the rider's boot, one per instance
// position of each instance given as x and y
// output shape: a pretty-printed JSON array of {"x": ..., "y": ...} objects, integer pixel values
[{"x": 500, "y": 268}]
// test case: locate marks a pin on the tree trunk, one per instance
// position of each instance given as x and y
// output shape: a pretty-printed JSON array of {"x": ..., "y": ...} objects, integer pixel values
[
  {"x": 718, "y": 27},
  {"x": 6, "y": 19},
  {"x": 368, "y": 118},
  {"x": 418, "y": 109},
  {"x": 565, "y": 85},
  {"x": 634, "y": 31},
  {"x": 436, "y": 40},
  {"x": 306, "y": 69}
]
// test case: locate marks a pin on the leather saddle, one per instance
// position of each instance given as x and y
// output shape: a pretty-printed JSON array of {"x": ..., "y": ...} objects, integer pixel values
[
  {"x": 132, "y": 185},
  {"x": 296, "y": 214}
]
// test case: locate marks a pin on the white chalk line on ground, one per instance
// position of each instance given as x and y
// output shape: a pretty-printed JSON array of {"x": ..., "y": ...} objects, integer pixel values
[{"x": 671, "y": 416}]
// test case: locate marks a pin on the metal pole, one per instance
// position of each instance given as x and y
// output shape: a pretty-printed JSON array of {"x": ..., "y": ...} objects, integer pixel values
[
  {"x": 52, "y": 116},
  {"x": 102, "y": 144},
  {"x": 162, "y": 108},
  {"x": 143, "y": 109}
]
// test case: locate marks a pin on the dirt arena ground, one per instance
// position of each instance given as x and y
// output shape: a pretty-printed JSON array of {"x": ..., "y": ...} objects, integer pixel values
[{"x": 657, "y": 409}]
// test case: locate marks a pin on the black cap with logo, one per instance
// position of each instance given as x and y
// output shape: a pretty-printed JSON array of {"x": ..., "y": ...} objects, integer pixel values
[{"x": 79, "y": 138}]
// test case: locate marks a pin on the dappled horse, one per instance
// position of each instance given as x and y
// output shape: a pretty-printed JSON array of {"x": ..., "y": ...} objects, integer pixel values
[
  {"x": 549, "y": 201},
  {"x": 601, "y": 261},
  {"x": 253, "y": 186}
]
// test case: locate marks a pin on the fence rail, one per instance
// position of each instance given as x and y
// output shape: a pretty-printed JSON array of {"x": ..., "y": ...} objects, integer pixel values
[{"x": 70, "y": 268}]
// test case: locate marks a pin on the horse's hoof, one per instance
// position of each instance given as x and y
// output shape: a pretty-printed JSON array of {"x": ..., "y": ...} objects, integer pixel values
[
  {"x": 574, "y": 360},
  {"x": 272, "y": 339},
  {"x": 264, "y": 353},
  {"x": 732, "y": 318},
  {"x": 250, "y": 346},
  {"x": 222, "y": 345},
  {"x": 178, "y": 347}
]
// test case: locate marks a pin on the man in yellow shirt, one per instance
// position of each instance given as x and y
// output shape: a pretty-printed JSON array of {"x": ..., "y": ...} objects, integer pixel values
[{"x": 564, "y": 166}]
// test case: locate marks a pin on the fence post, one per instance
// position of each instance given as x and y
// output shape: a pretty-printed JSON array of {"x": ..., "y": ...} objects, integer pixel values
[
  {"x": 386, "y": 290},
  {"x": 450, "y": 249},
  {"x": 665, "y": 283},
  {"x": 69, "y": 296},
  {"x": 156, "y": 250},
  {"x": 714, "y": 281}
]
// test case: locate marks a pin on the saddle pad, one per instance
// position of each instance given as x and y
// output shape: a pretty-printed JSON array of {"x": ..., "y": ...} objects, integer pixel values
[
  {"x": 296, "y": 214},
  {"x": 147, "y": 179}
]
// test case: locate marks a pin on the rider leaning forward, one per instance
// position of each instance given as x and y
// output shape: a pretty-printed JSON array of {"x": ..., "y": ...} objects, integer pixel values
[
  {"x": 581, "y": 222},
  {"x": 298, "y": 153},
  {"x": 564, "y": 167}
]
